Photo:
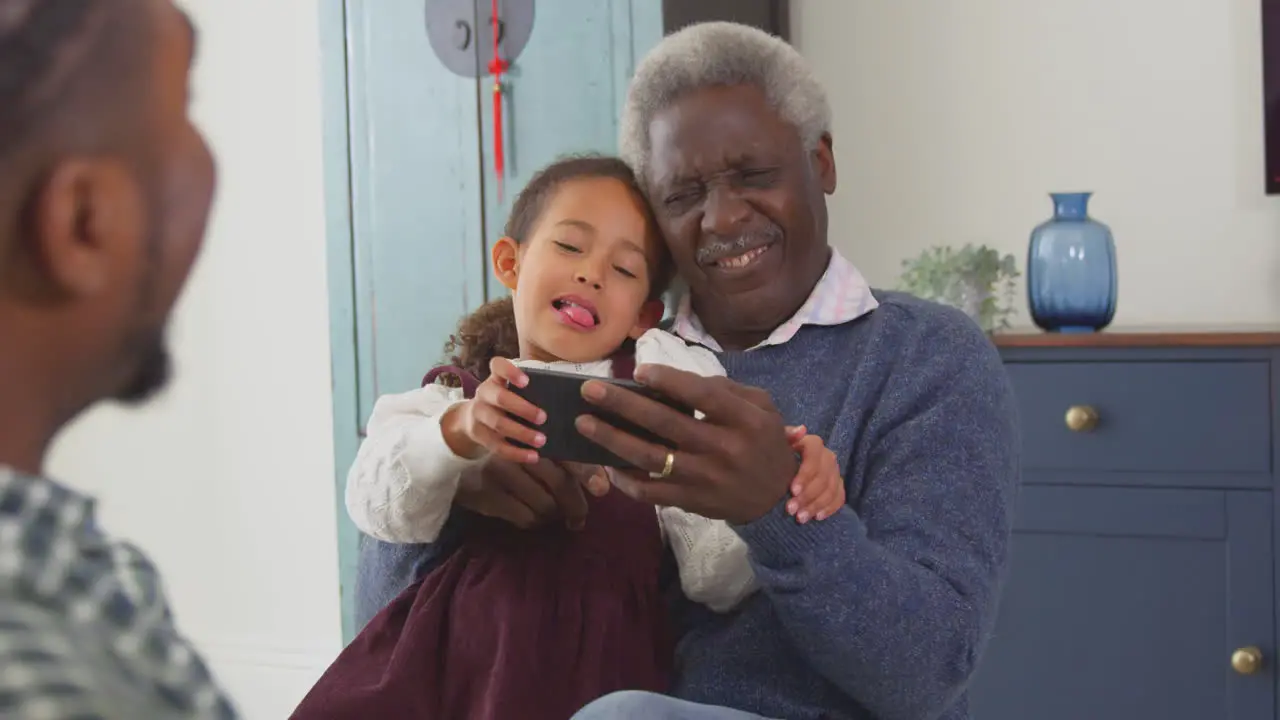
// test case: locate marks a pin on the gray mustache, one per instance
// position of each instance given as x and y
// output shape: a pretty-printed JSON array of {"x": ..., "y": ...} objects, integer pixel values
[{"x": 735, "y": 246}]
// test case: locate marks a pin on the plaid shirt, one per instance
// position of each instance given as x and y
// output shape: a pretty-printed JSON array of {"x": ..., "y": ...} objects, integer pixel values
[
  {"x": 85, "y": 631},
  {"x": 841, "y": 295}
]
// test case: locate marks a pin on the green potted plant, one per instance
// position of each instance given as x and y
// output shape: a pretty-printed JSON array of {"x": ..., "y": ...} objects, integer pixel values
[{"x": 975, "y": 279}]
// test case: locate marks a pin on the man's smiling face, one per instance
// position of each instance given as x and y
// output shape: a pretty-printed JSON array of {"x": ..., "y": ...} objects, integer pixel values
[{"x": 741, "y": 204}]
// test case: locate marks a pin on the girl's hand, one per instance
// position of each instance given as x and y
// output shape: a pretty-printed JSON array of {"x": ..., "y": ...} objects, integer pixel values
[
  {"x": 818, "y": 488},
  {"x": 482, "y": 423},
  {"x": 795, "y": 433}
]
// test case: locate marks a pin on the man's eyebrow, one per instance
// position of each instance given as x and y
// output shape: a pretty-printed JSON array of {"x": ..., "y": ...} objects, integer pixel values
[
  {"x": 677, "y": 179},
  {"x": 735, "y": 162}
]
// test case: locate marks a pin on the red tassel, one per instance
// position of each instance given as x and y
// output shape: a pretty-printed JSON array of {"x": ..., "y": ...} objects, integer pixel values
[
  {"x": 497, "y": 66},
  {"x": 498, "y": 169}
]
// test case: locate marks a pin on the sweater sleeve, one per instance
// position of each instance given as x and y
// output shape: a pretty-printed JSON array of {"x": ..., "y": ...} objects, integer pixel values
[
  {"x": 401, "y": 486},
  {"x": 893, "y": 598}
]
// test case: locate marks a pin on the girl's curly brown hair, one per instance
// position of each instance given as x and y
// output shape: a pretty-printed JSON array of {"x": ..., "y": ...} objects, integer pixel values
[{"x": 490, "y": 331}]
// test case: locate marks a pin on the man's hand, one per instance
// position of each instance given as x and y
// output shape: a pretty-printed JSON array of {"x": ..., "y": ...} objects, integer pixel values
[
  {"x": 531, "y": 495},
  {"x": 734, "y": 465}
]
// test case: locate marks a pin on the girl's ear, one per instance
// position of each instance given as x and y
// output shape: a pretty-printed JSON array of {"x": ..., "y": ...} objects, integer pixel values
[
  {"x": 650, "y": 316},
  {"x": 506, "y": 261}
]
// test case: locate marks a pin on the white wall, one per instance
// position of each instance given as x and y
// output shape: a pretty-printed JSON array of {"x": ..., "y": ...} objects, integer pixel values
[
  {"x": 228, "y": 481},
  {"x": 953, "y": 120}
]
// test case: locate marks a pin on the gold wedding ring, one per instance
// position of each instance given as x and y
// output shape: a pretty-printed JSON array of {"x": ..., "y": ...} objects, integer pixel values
[{"x": 666, "y": 468}]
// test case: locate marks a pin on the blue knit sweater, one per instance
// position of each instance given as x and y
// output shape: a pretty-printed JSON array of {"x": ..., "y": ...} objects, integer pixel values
[{"x": 883, "y": 610}]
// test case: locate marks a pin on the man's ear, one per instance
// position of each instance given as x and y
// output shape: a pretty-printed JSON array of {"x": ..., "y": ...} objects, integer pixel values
[
  {"x": 650, "y": 316},
  {"x": 86, "y": 220},
  {"x": 824, "y": 163},
  {"x": 506, "y": 262}
]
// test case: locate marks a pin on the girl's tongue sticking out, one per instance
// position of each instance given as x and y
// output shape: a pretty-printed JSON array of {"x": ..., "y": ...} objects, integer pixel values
[{"x": 576, "y": 311}]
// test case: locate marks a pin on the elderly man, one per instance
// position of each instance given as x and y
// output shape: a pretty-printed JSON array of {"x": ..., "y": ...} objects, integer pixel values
[
  {"x": 105, "y": 186},
  {"x": 883, "y": 610}
]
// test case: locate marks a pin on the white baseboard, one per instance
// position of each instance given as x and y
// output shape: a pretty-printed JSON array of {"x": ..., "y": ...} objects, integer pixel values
[{"x": 266, "y": 681}]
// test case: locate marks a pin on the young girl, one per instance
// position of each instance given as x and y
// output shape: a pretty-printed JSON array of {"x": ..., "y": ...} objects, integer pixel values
[{"x": 536, "y": 624}]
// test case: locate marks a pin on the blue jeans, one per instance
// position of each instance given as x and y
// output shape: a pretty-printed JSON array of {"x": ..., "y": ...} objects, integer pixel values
[{"x": 638, "y": 705}]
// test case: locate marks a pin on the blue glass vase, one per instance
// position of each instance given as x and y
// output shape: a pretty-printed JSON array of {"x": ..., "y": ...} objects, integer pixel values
[{"x": 1071, "y": 269}]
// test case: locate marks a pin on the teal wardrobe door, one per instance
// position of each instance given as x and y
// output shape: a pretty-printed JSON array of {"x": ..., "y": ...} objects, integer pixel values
[
  {"x": 563, "y": 93},
  {"x": 415, "y": 200}
]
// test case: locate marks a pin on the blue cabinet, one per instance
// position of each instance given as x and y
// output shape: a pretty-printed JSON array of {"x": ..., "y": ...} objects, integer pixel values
[{"x": 1143, "y": 569}]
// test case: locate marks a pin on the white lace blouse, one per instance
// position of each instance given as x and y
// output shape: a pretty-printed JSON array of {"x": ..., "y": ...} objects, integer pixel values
[{"x": 401, "y": 487}]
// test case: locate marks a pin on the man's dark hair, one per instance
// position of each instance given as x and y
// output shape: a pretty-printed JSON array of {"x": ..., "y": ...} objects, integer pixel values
[
  {"x": 70, "y": 71},
  {"x": 45, "y": 47}
]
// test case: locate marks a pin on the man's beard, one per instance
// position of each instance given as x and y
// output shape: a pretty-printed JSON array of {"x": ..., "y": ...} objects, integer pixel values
[
  {"x": 152, "y": 371},
  {"x": 148, "y": 346}
]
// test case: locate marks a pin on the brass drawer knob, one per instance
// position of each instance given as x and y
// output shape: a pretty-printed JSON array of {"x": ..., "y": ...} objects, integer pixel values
[
  {"x": 1081, "y": 418},
  {"x": 1246, "y": 660}
]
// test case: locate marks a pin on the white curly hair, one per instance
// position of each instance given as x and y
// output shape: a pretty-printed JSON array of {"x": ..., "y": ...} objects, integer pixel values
[{"x": 721, "y": 53}]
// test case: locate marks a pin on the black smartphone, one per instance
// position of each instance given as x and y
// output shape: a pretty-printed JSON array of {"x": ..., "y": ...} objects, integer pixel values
[{"x": 559, "y": 394}]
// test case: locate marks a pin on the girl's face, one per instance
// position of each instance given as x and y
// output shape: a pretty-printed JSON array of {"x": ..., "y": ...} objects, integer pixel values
[{"x": 581, "y": 279}]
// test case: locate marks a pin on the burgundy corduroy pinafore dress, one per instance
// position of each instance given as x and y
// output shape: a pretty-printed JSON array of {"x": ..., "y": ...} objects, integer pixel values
[{"x": 515, "y": 624}]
